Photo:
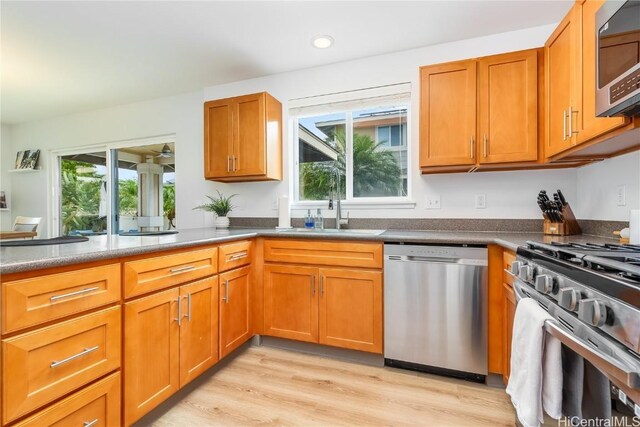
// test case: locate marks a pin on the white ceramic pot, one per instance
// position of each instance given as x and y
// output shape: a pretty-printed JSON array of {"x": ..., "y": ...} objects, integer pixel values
[{"x": 222, "y": 222}]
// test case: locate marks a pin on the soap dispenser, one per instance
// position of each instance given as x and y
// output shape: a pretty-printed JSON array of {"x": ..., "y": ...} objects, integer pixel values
[
  {"x": 308, "y": 221},
  {"x": 319, "y": 220}
]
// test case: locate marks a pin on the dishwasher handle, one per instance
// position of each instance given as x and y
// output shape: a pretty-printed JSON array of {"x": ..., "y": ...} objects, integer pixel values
[{"x": 436, "y": 260}]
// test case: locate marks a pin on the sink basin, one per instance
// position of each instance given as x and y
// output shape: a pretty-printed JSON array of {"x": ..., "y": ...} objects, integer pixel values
[{"x": 333, "y": 231}]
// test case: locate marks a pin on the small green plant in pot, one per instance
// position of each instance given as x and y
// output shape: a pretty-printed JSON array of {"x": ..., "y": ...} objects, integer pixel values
[{"x": 221, "y": 206}]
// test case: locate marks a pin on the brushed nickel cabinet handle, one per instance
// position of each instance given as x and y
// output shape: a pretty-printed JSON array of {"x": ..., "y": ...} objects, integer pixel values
[
  {"x": 228, "y": 164},
  {"x": 179, "y": 318},
  {"x": 90, "y": 423},
  {"x": 84, "y": 352},
  {"x": 473, "y": 146},
  {"x": 182, "y": 269},
  {"x": 571, "y": 131},
  {"x": 321, "y": 285},
  {"x": 73, "y": 294},
  {"x": 484, "y": 145},
  {"x": 225, "y": 298},
  {"x": 234, "y": 163},
  {"x": 238, "y": 255},
  {"x": 188, "y": 315}
]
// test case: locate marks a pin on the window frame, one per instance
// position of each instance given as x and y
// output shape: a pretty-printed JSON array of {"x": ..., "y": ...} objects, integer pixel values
[{"x": 349, "y": 201}]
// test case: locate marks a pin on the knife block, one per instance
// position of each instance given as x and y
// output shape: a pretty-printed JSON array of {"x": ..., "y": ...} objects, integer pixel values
[{"x": 568, "y": 227}]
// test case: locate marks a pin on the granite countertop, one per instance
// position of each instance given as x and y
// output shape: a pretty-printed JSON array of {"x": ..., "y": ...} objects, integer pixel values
[{"x": 19, "y": 259}]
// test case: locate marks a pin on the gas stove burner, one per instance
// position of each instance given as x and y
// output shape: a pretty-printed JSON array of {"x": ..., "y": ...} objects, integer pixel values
[{"x": 613, "y": 247}]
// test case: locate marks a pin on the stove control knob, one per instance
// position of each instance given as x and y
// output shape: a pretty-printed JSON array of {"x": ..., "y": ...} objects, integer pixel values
[
  {"x": 592, "y": 311},
  {"x": 568, "y": 298},
  {"x": 515, "y": 267},
  {"x": 526, "y": 273},
  {"x": 544, "y": 283}
]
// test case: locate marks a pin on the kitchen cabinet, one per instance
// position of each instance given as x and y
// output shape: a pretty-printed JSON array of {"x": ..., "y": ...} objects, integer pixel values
[
  {"x": 170, "y": 338},
  {"x": 448, "y": 115},
  {"x": 508, "y": 108},
  {"x": 479, "y": 113},
  {"x": 235, "y": 309},
  {"x": 570, "y": 79},
  {"x": 324, "y": 292},
  {"x": 291, "y": 302},
  {"x": 243, "y": 138},
  {"x": 509, "y": 313}
]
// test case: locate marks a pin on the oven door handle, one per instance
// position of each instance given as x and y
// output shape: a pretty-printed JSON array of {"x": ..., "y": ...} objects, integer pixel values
[{"x": 610, "y": 366}]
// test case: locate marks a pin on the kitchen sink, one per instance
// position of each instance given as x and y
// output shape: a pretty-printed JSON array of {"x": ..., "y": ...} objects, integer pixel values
[{"x": 333, "y": 231}]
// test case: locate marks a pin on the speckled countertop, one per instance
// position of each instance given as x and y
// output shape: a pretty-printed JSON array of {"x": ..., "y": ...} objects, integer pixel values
[{"x": 18, "y": 259}]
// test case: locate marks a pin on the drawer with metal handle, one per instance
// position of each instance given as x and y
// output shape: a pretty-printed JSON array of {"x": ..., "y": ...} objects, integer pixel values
[
  {"x": 234, "y": 255},
  {"x": 159, "y": 272},
  {"x": 37, "y": 300},
  {"x": 45, "y": 364},
  {"x": 94, "y": 406}
]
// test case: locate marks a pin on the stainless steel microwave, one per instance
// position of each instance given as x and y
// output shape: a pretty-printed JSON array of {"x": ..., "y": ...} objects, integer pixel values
[{"x": 618, "y": 58}]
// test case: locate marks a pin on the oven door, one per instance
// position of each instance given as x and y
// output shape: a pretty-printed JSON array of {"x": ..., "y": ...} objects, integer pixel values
[
  {"x": 612, "y": 359},
  {"x": 618, "y": 58}
]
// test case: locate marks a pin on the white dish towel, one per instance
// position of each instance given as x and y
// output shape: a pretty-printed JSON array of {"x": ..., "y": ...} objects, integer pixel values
[{"x": 535, "y": 381}]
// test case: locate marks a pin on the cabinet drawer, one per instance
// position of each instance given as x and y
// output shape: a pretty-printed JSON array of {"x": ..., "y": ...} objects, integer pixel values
[
  {"x": 40, "y": 299},
  {"x": 507, "y": 258},
  {"x": 234, "y": 255},
  {"x": 343, "y": 254},
  {"x": 160, "y": 272},
  {"x": 43, "y": 365},
  {"x": 97, "y": 405}
]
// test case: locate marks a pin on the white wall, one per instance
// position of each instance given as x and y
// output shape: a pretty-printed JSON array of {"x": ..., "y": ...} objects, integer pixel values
[
  {"x": 508, "y": 194},
  {"x": 598, "y": 187},
  {"x": 7, "y": 161}
]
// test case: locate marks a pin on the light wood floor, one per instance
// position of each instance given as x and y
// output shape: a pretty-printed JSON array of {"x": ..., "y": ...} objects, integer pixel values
[{"x": 265, "y": 386}]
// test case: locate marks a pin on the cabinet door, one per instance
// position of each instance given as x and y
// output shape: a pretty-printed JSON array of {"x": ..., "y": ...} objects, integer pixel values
[
  {"x": 151, "y": 353},
  {"x": 448, "y": 114},
  {"x": 199, "y": 328},
  {"x": 218, "y": 138},
  {"x": 593, "y": 126},
  {"x": 351, "y": 309},
  {"x": 234, "y": 309},
  {"x": 562, "y": 58},
  {"x": 291, "y": 302},
  {"x": 508, "y": 107},
  {"x": 509, "y": 312},
  {"x": 249, "y": 140}
]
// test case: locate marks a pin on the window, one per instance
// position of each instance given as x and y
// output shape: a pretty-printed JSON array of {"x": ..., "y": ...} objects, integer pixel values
[
  {"x": 118, "y": 188},
  {"x": 363, "y": 149}
]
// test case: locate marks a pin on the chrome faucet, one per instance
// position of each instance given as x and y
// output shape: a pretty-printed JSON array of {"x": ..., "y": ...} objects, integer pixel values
[{"x": 336, "y": 181}]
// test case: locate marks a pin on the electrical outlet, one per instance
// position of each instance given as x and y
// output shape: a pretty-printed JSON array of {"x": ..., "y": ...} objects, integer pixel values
[
  {"x": 481, "y": 201},
  {"x": 275, "y": 204},
  {"x": 433, "y": 202},
  {"x": 621, "y": 196}
]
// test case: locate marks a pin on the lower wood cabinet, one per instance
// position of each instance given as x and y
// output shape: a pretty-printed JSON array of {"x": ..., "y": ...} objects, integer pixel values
[
  {"x": 170, "y": 338},
  {"x": 97, "y": 405},
  {"x": 509, "y": 312},
  {"x": 235, "y": 309},
  {"x": 333, "y": 306}
]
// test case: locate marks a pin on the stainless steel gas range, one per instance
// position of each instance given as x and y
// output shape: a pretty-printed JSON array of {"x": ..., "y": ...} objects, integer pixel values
[{"x": 593, "y": 293}]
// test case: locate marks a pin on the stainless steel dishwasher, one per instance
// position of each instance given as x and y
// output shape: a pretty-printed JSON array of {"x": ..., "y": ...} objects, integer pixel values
[{"x": 435, "y": 309}]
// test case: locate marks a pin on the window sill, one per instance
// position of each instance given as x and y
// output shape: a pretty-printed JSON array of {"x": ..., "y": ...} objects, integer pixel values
[{"x": 356, "y": 205}]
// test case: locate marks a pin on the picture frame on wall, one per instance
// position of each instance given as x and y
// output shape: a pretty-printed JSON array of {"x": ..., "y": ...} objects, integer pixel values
[
  {"x": 3, "y": 200},
  {"x": 27, "y": 159}
]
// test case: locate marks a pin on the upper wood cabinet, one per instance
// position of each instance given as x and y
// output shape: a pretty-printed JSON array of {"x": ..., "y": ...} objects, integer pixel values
[
  {"x": 572, "y": 126},
  {"x": 479, "y": 112},
  {"x": 448, "y": 115},
  {"x": 508, "y": 108},
  {"x": 243, "y": 138}
]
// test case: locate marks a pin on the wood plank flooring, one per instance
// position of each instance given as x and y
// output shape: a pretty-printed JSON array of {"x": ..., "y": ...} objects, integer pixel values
[{"x": 266, "y": 386}]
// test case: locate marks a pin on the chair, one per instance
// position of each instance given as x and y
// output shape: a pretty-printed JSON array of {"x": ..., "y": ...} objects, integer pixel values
[{"x": 25, "y": 223}]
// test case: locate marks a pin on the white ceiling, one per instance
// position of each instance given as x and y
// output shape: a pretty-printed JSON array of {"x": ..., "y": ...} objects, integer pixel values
[{"x": 59, "y": 57}]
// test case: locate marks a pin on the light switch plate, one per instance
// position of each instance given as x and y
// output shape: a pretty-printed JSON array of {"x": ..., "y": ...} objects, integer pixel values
[
  {"x": 621, "y": 195},
  {"x": 481, "y": 201}
]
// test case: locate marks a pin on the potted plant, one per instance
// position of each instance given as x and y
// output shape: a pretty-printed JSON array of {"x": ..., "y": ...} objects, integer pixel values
[{"x": 221, "y": 206}]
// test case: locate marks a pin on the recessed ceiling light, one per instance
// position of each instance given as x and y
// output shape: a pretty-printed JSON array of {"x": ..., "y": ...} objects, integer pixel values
[{"x": 322, "y": 42}]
